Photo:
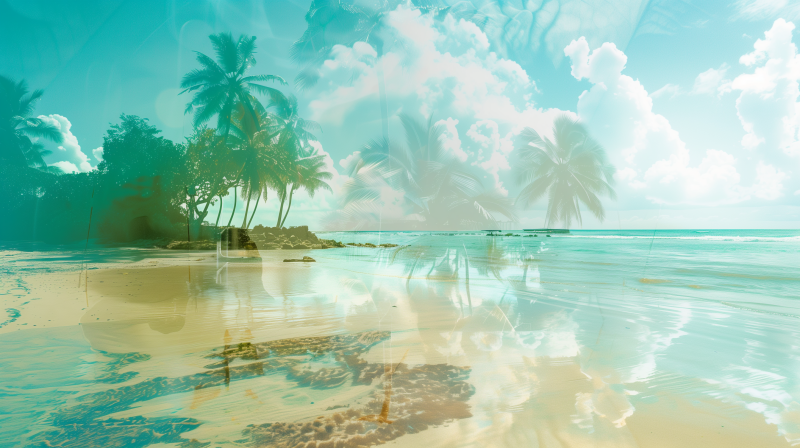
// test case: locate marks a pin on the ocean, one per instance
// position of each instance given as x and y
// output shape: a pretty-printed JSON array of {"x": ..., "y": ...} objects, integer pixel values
[{"x": 594, "y": 338}]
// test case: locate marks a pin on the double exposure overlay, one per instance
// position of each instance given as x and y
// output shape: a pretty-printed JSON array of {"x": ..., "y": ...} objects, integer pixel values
[{"x": 438, "y": 223}]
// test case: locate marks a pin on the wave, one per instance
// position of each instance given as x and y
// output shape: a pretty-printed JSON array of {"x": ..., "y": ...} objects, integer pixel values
[{"x": 746, "y": 239}]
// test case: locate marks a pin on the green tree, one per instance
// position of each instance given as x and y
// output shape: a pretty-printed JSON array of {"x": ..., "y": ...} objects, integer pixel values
[
  {"x": 222, "y": 84},
  {"x": 294, "y": 136},
  {"x": 210, "y": 174},
  {"x": 258, "y": 155},
  {"x": 143, "y": 177},
  {"x": 570, "y": 169},
  {"x": 19, "y": 130},
  {"x": 311, "y": 176}
]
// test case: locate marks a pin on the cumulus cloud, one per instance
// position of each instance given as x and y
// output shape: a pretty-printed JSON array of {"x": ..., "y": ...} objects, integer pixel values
[
  {"x": 493, "y": 150},
  {"x": 449, "y": 139},
  {"x": 69, "y": 151},
  {"x": 769, "y": 182},
  {"x": 711, "y": 81},
  {"x": 98, "y": 154},
  {"x": 767, "y": 105},
  {"x": 649, "y": 154},
  {"x": 439, "y": 68},
  {"x": 67, "y": 167}
]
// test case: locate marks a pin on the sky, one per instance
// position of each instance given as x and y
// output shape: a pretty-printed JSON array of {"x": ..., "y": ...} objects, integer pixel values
[{"x": 696, "y": 103}]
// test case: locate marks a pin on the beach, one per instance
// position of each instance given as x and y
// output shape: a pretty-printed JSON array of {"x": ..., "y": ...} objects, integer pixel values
[{"x": 607, "y": 339}]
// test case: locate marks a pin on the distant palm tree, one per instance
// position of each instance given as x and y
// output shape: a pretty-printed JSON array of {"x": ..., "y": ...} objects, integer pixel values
[
  {"x": 571, "y": 169},
  {"x": 310, "y": 175},
  {"x": 19, "y": 129},
  {"x": 219, "y": 86},
  {"x": 437, "y": 188}
]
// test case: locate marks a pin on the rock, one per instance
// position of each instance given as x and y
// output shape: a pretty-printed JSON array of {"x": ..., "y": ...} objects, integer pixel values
[
  {"x": 389, "y": 245},
  {"x": 301, "y": 245},
  {"x": 299, "y": 260},
  {"x": 192, "y": 245},
  {"x": 286, "y": 246},
  {"x": 369, "y": 245}
]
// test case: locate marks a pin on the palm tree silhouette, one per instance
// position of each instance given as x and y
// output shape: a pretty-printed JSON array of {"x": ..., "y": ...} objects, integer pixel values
[
  {"x": 570, "y": 169},
  {"x": 310, "y": 175},
  {"x": 437, "y": 188},
  {"x": 222, "y": 84},
  {"x": 256, "y": 151},
  {"x": 295, "y": 134},
  {"x": 19, "y": 130}
]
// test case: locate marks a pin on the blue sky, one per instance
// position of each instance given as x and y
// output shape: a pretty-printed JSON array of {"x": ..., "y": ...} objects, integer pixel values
[{"x": 695, "y": 102}]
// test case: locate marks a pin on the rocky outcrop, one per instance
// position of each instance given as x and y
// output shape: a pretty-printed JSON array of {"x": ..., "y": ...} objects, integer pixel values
[
  {"x": 299, "y": 260},
  {"x": 192, "y": 245},
  {"x": 262, "y": 238}
]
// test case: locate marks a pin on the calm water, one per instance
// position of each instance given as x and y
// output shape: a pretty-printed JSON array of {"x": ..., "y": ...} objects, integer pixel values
[{"x": 628, "y": 338}]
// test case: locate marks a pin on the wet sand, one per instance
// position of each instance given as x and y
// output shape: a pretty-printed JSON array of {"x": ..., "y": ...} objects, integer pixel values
[{"x": 471, "y": 367}]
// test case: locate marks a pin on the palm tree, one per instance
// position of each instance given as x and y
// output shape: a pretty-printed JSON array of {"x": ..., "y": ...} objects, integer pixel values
[
  {"x": 294, "y": 137},
  {"x": 19, "y": 130},
  {"x": 257, "y": 153},
  {"x": 437, "y": 188},
  {"x": 571, "y": 169},
  {"x": 310, "y": 175},
  {"x": 222, "y": 84}
]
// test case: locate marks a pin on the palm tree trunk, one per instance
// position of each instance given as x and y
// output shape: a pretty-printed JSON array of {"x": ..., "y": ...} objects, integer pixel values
[
  {"x": 254, "y": 210},
  {"x": 280, "y": 212},
  {"x": 246, "y": 212},
  {"x": 288, "y": 207},
  {"x": 216, "y": 224},
  {"x": 235, "y": 200}
]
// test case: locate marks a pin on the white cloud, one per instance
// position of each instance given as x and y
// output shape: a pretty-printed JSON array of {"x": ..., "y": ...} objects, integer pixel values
[
  {"x": 493, "y": 150},
  {"x": 443, "y": 69},
  {"x": 710, "y": 81},
  {"x": 669, "y": 91},
  {"x": 347, "y": 162},
  {"x": 67, "y": 167},
  {"x": 619, "y": 112},
  {"x": 767, "y": 105},
  {"x": 98, "y": 154},
  {"x": 69, "y": 150},
  {"x": 769, "y": 182},
  {"x": 449, "y": 139}
]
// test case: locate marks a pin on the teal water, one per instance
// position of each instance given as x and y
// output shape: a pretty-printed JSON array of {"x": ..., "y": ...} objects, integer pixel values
[{"x": 595, "y": 338}]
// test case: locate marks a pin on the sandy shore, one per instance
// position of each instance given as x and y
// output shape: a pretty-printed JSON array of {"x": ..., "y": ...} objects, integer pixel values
[{"x": 168, "y": 307}]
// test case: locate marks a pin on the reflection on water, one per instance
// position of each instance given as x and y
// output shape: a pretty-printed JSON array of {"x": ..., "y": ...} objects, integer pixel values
[{"x": 447, "y": 340}]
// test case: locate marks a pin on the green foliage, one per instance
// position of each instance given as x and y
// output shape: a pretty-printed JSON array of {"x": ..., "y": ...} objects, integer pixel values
[
  {"x": 219, "y": 86},
  {"x": 143, "y": 177},
  {"x": 19, "y": 129}
]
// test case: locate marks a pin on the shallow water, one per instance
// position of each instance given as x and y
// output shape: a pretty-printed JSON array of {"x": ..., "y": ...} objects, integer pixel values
[{"x": 630, "y": 338}]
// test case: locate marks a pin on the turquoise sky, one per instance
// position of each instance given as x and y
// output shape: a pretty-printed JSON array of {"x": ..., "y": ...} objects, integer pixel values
[{"x": 696, "y": 102}]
